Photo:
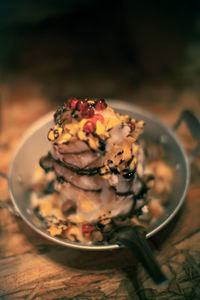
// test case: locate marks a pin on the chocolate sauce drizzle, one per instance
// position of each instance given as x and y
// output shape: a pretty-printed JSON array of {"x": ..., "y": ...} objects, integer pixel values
[{"x": 46, "y": 162}]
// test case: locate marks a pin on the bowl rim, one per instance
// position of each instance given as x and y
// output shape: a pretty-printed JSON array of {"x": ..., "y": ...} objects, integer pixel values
[{"x": 116, "y": 104}]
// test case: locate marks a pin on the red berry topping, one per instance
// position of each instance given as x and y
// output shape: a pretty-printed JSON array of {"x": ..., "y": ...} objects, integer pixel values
[
  {"x": 89, "y": 126},
  {"x": 82, "y": 104},
  {"x": 132, "y": 126},
  {"x": 87, "y": 229},
  {"x": 98, "y": 117},
  {"x": 100, "y": 104},
  {"x": 72, "y": 102},
  {"x": 88, "y": 112}
]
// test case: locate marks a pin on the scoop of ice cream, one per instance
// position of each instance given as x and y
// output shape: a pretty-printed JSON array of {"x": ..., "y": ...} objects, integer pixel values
[{"x": 96, "y": 154}]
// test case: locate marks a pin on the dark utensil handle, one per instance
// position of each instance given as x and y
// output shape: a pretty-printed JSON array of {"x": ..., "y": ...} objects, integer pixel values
[
  {"x": 134, "y": 238},
  {"x": 193, "y": 124},
  {"x": 3, "y": 204}
]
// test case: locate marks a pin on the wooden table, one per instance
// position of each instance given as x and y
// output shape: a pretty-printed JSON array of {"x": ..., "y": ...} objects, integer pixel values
[{"x": 33, "y": 268}]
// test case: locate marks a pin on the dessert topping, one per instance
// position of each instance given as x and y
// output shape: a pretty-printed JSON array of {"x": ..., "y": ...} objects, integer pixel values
[
  {"x": 100, "y": 104},
  {"x": 51, "y": 135},
  {"x": 105, "y": 217},
  {"x": 72, "y": 102},
  {"x": 93, "y": 142},
  {"x": 89, "y": 126},
  {"x": 88, "y": 112},
  {"x": 82, "y": 104},
  {"x": 87, "y": 229},
  {"x": 98, "y": 117},
  {"x": 100, "y": 129},
  {"x": 73, "y": 233},
  {"x": 132, "y": 126},
  {"x": 54, "y": 133},
  {"x": 55, "y": 229}
]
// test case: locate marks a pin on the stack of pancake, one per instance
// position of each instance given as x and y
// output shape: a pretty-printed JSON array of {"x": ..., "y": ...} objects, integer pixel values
[{"x": 97, "y": 161}]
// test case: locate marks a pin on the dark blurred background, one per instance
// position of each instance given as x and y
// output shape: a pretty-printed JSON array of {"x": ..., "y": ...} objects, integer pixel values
[{"x": 100, "y": 48}]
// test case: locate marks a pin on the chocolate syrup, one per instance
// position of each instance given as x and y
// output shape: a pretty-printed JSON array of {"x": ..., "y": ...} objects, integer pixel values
[
  {"x": 102, "y": 146},
  {"x": 129, "y": 175},
  {"x": 46, "y": 162}
]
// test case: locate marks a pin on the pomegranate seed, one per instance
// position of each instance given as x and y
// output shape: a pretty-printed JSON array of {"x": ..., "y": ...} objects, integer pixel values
[
  {"x": 132, "y": 126},
  {"x": 72, "y": 102},
  {"x": 98, "y": 117},
  {"x": 82, "y": 104},
  {"x": 100, "y": 104},
  {"x": 89, "y": 126},
  {"x": 87, "y": 234},
  {"x": 87, "y": 229},
  {"x": 88, "y": 112}
]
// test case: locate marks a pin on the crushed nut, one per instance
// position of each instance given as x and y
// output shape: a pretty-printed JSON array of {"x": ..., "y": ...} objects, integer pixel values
[
  {"x": 73, "y": 233},
  {"x": 105, "y": 217}
]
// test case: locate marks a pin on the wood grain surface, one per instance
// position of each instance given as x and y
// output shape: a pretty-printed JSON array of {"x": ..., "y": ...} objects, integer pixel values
[{"x": 33, "y": 268}]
